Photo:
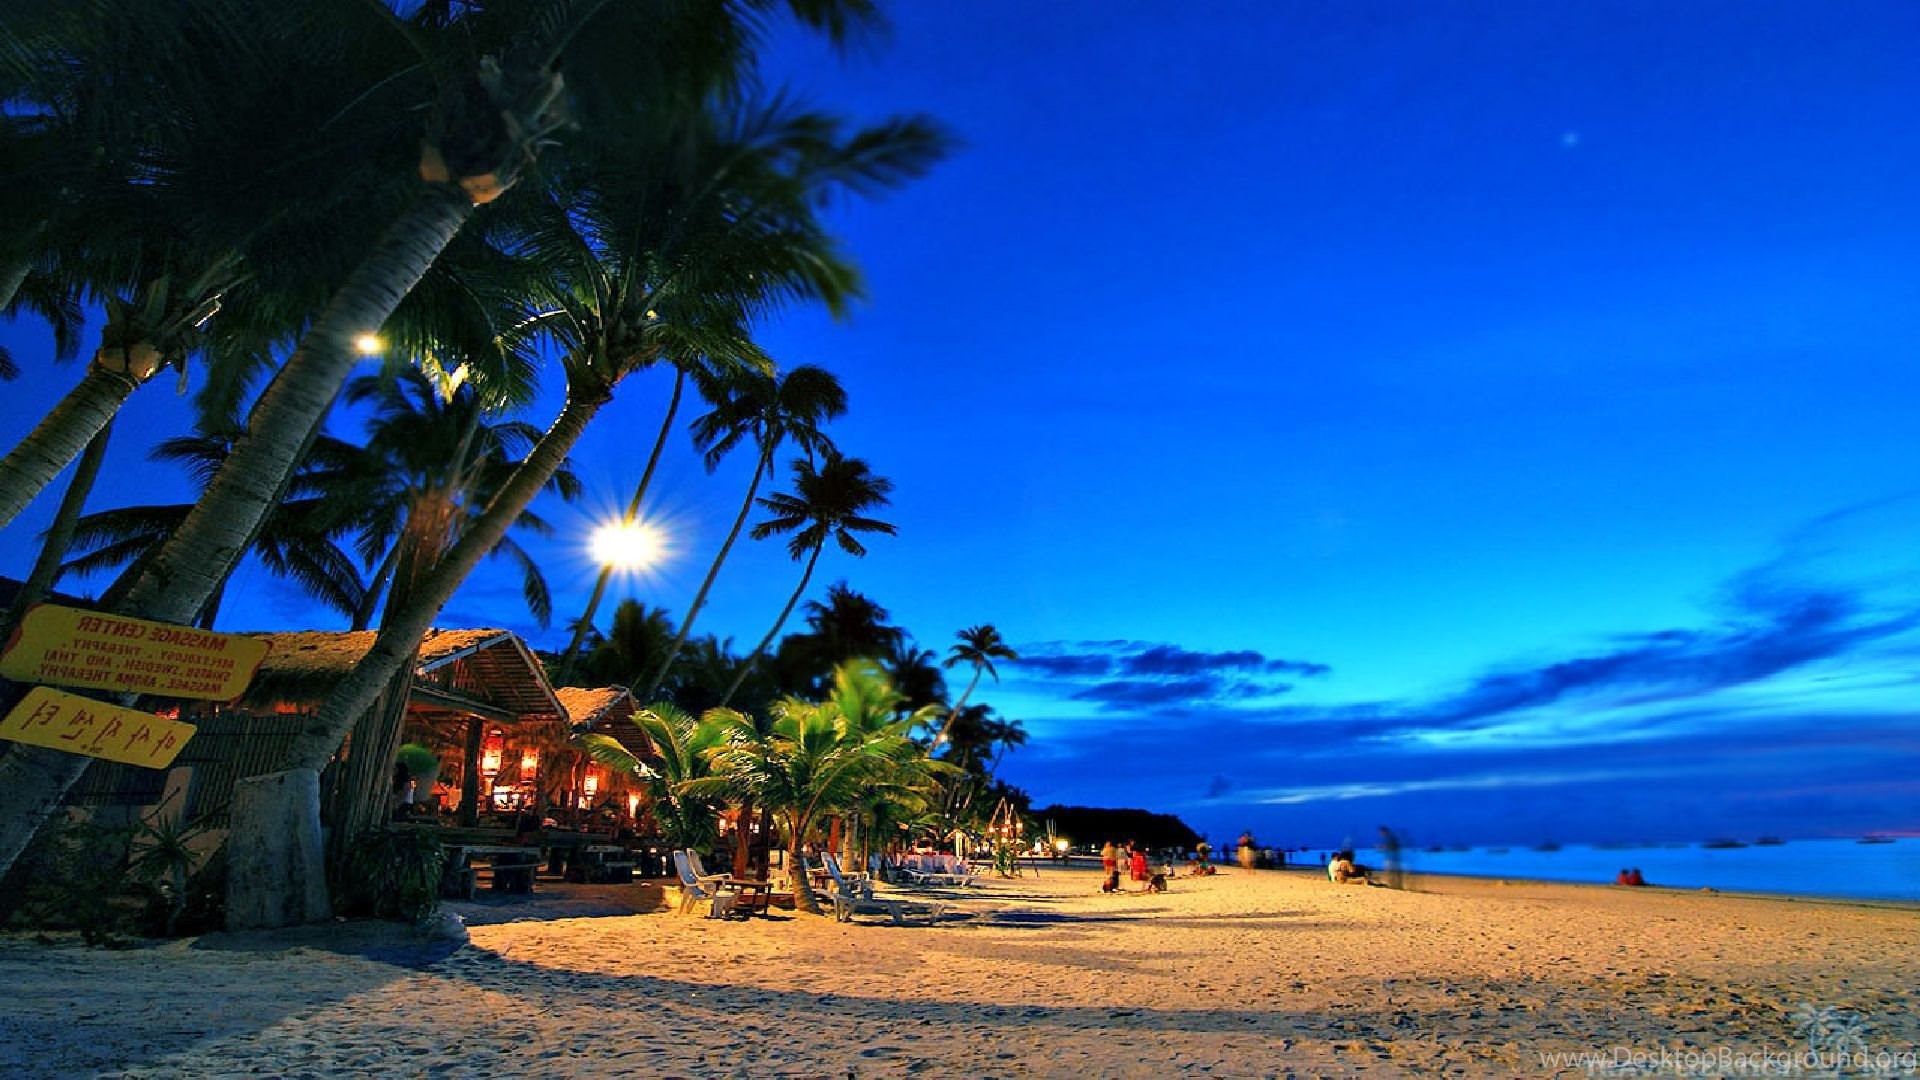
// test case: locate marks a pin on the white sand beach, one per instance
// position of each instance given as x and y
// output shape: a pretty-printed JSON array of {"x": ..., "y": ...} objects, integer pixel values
[{"x": 1240, "y": 974}]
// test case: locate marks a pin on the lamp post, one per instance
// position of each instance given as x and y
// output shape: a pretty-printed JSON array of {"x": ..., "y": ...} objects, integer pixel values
[{"x": 625, "y": 544}]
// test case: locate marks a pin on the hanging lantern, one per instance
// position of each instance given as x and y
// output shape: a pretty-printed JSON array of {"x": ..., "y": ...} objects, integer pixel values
[
  {"x": 633, "y": 805},
  {"x": 490, "y": 751},
  {"x": 529, "y": 763}
]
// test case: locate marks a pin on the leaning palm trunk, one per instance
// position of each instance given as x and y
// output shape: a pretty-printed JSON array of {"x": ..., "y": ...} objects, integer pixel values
[
  {"x": 46, "y": 568},
  {"x": 700, "y": 598},
  {"x": 803, "y": 897},
  {"x": 13, "y": 274},
  {"x": 406, "y": 622},
  {"x": 941, "y": 735},
  {"x": 61, "y": 436},
  {"x": 217, "y": 531},
  {"x": 746, "y": 668},
  {"x": 565, "y": 667}
]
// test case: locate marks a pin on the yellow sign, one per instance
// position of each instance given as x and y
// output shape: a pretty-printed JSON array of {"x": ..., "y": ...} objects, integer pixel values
[
  {"x": 69, "y": 647},
  {"x": 63, "y": 721}
]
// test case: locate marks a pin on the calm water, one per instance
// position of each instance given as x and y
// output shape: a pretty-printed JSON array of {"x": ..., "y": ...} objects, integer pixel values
[{"x": 1801, "y": 867}]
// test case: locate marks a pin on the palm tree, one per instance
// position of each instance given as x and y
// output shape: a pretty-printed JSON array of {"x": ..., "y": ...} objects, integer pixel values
[
  {"x": 913, "y": 670},
  {"x": 771, "y": 410},
  {"x": 499, "y": 73},
  {"x": 829, "y": 503},
  {"x": 814, "y": 760},
  {"x": 979, "y": 646},
  {"x": 848, "y": 626},
  {"x": 632, "y": 647},
  {"x": 682, "y": 749}
]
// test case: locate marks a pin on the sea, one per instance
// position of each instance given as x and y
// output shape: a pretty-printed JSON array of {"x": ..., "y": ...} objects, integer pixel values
[{"x": 1888, "y": 870}]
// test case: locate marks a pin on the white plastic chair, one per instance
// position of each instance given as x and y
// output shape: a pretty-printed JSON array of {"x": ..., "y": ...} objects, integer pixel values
[{"x": 693, "y": 890}]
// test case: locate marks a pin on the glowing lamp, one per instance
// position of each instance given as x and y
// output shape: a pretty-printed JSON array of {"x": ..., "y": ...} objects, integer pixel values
[
  {"x": 490, "y": 751},
  {"x": 368, "y": 344},
  {"x": 591, "y": 786},
  {"x": 633, "y": 805},
  {"x": 529, "y": 764}
]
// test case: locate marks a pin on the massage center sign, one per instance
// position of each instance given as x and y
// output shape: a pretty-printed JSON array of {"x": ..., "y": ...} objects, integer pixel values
[{"x": 71, "y": 647}]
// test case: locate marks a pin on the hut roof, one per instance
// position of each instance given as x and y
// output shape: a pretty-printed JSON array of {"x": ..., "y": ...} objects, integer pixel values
[
  {"x": 305, "y": 665},
  {"x": 607, "y": 705}
]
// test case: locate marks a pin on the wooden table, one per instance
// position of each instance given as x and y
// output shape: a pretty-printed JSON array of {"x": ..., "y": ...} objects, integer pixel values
[
  {"x": 513, "y": 865},
  {"x": 753, "y": 894}
]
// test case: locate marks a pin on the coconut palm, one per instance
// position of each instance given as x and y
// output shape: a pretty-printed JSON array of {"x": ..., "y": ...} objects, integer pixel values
[
  {"x": 847, "y": 626},
  {"x": 633, "y": 645},
  {"x": 827, "y": 503},
  {"x": 813, "y": 761},
  {"x": 770, "y": 410},
  {"x": 682, "y": 749},
  {"x": 914, "y": 671},
  {"x": 979, "y": 646},
  {"x": 498, "y": 67}
]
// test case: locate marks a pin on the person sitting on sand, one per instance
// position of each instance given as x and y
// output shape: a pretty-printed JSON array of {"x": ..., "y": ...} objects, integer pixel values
[
  {"x": 1634, "y": 878},
  {"x": 1622, "y": 878},
  {"x": 1341, "y": 870}
]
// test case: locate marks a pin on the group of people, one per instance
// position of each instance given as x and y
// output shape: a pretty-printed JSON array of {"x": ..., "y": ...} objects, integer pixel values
[
  {"x": 1630, "y": 877},
  {"x": 1134, "y": 858}
]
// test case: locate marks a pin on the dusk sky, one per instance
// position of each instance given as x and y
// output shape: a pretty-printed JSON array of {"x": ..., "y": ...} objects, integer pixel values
[{"x": 1495, "y": 420}]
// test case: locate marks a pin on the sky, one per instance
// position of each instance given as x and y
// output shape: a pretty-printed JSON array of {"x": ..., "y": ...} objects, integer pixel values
[{"x": 1491, "y": 420}]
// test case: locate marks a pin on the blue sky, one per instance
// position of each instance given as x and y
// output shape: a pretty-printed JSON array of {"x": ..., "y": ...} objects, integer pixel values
[{"x": 1494, "y": 420}]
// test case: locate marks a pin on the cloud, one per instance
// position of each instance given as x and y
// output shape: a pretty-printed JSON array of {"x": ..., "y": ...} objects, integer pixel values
[{"x": 1124, "y": 675}]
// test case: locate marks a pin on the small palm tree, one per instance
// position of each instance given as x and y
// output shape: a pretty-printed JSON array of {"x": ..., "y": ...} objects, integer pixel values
[
  {"x": 979, "y": 646},
  {"x": 828, "y": 503},
  {"x": 682, "y": 751},
  {"x": 814, "y": 761}
]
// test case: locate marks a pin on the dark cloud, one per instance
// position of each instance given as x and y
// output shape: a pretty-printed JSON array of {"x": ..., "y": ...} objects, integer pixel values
[
  {"x": 1133, "y": 692},
  {"x": 1218, "y": 786},
  {"x": 1121, "y": 675},
  {"x": 1781, "y": 629}
]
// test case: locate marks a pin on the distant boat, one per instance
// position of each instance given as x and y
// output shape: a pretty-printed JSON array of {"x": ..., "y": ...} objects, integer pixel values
[
  {"x": 1874, "y": 840},
  {"x": 1546, "y": 845},
  {"x": 1435, "y": 849},
  {"x": 1769, "y": 841},
  {"x": 1723, "y": 842}
]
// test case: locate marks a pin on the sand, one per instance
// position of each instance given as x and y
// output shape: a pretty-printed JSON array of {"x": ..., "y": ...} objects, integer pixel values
[{"x": 1247, "y": 973}]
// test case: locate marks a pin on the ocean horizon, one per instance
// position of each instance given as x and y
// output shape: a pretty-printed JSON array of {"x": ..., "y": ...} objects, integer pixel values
[{"x": 1848, "y": 869}]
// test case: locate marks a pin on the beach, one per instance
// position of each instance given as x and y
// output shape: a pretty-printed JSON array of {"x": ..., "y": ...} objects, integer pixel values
[{"x": 1244, "y": 973}]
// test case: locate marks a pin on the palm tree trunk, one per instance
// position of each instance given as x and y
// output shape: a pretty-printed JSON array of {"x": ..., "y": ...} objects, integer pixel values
[
  {"x": 803, "y": 898},
  {"x": 747, "y": 667},
  {"x": 405, "y": 623},
  {"x": 565, "y": 667},
  {"x": 13, "y": 274},
  {"x": 363, "y": 615},
  {"x": 940, "y": 736},
  {"x": 222, "y": 524},
  {"x": 60, "y": 436},
  {"x": 46, "y": 568},
  {"x": 700, "y": 598}
]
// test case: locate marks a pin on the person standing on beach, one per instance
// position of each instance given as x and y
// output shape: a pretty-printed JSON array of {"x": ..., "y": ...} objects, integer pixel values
[
  {"x": 1109, "y": 858},
  {"x": 1137, "y": 861},
  {"x": 1390, "y": 854}
]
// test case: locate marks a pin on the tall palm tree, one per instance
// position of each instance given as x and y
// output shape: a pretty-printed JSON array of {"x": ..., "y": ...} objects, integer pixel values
[
  {"x": 771, "y": 410},
  {"x": 847, "y": 626},
  {"x": 978, "y": 646},
  {"x": 499, "y": 73},
  {"x": 633, "y": 645},
  {"x": 827, "y": 503}
]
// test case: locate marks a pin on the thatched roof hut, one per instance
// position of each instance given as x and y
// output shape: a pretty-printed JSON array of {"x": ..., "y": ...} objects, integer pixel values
[{"x": 489, "y": 673}]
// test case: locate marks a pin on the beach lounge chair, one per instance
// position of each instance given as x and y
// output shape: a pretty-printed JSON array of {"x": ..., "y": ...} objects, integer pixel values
[
  {"x": 693, "y": 890},
  {"x": 956, "y": 872},
  {"x": 853, "y": 898}
]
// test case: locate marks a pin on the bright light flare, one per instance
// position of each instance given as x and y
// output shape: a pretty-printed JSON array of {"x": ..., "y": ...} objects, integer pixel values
[
  {"x": 627, "y": 545},
  {"x": 368, "y": 344}
]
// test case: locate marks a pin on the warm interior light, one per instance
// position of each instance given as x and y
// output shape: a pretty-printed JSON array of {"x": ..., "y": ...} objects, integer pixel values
[
  {"x": 633, "y": 805},
  {"x": 592, "y": 786},
  {"x": 626, "y": 544},
  {"x": 490, "y": 751},
  {"x": 368, "y": 344},
  {"x": 529, "y": 763}
]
